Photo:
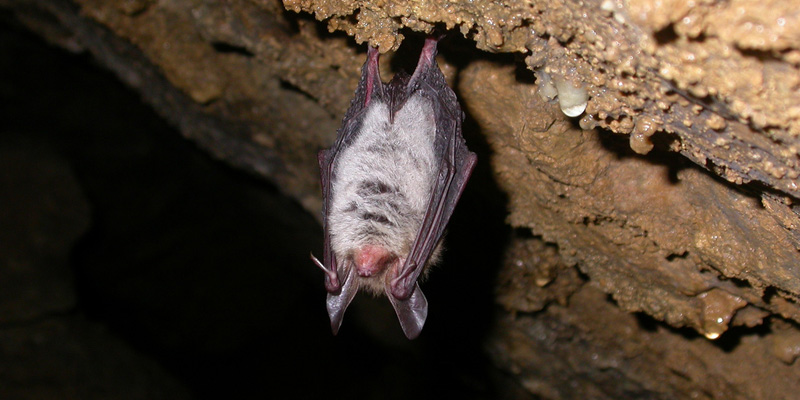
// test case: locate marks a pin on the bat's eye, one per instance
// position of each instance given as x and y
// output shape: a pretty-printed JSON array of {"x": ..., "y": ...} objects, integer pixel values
[
  {"x": 380, "y": 218},
  {"x": 371, "y": 188}
]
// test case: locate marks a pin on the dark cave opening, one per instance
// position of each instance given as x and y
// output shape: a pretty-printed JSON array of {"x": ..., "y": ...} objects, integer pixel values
[{"x": 205, "y": 269}]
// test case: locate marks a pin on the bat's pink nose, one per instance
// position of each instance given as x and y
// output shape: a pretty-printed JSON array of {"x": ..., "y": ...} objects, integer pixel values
[{"x": 371, "y": 260}]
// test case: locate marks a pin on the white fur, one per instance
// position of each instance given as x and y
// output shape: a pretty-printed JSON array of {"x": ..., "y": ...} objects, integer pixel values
[{"x": 399, "y": 154}]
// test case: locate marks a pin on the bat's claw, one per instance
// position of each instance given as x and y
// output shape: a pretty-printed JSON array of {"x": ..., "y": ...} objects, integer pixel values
[{"x": 331, "y": 277}]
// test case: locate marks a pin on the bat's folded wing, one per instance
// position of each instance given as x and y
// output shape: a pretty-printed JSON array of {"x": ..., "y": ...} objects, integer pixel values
[
  {"x": 411, "y": 312},
  {"x": 338, "y": 302},
  {"x": 456, "y": 163},
  {"x": 454, "y": 169},
  {"x": 340, "y": 278}
]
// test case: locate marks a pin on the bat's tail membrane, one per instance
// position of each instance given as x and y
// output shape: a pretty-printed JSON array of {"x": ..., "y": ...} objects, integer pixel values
[{"x": 411, "y": 312}]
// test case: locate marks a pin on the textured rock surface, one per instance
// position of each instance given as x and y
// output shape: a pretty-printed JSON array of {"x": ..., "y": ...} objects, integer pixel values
[{"x": 662, "y": 217}]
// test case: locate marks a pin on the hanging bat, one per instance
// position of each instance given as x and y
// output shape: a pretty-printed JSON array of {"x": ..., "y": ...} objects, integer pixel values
[{"x": 389, "y": 185}]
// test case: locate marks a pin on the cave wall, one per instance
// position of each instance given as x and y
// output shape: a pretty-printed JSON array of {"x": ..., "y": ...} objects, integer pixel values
[{"x": 655, "y": 250}]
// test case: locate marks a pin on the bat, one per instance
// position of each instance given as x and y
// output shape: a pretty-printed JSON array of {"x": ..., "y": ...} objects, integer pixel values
[{"x": 390, "y": 183}]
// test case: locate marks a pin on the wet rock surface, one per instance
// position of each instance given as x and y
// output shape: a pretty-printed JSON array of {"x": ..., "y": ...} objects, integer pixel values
[{"x": 646, "y": 248}]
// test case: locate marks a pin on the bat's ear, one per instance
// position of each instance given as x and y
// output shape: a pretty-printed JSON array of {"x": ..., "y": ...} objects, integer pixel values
[
  {"x": 411, "y": 312},
  {"x": 338, "y": 303}
]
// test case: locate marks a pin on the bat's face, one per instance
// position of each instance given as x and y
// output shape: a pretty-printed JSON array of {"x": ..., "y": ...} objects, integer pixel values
[
  {"x": 374, "y": 266},
  {"x": 372, "y": 260}
]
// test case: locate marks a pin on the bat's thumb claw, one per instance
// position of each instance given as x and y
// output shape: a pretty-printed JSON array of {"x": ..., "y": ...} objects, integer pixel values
[
  {"x": 332, "y": 283},
  {"x": 411, "y": 312}
]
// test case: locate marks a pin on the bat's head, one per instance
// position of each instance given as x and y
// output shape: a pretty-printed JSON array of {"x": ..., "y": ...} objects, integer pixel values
[
  {"x": 380, "y": 270},
  {"x": 374, "y": 265},
  {"x": 371, "y": 260}
]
